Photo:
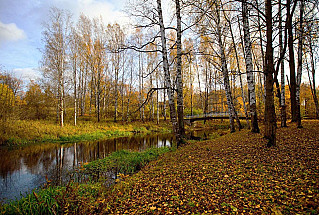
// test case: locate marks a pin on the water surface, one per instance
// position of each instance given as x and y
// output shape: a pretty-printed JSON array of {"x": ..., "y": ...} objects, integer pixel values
[{"x": 25, "y": 168}]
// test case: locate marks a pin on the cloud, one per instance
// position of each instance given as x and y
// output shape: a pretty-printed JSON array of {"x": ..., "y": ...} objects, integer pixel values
[
  {"x": 10, "y": 32},
  {"x": 27, "y": 74},
  {"x": 108, "y": 10}
]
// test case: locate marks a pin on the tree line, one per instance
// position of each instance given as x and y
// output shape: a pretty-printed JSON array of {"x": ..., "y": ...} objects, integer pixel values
[{"x": 194, "y": 57}]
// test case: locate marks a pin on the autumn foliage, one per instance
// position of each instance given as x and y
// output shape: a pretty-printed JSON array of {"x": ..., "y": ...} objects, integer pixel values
[{"x": 232, "y": 174}]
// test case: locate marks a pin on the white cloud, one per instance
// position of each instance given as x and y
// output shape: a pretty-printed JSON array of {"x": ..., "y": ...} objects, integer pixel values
[
  {"x": 10, "y": 32},
  {"x": 108, "y": 10},
  {"x": 27, "y": 74}
]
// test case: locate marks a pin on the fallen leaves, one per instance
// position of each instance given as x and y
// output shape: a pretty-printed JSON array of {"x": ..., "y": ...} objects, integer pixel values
[{"x": 235, "y": 173}]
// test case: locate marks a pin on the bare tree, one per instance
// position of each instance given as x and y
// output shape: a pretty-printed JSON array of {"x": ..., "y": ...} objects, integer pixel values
[{"x": 54, "y": 59}]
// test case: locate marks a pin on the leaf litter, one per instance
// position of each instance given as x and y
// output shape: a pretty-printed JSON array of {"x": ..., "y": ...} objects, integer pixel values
[{"x": 233, "y": 174}]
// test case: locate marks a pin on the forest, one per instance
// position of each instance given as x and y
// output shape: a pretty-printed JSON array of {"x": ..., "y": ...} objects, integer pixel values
[
  {"x": 212, "y": 57},
  {"x": 252, "y": 61}
]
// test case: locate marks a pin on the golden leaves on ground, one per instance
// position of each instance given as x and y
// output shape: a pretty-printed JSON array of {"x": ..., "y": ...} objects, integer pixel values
[{"x": 232, "y": 174}]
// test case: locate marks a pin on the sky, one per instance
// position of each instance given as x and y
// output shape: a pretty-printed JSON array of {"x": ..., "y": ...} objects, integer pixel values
[{"x": 21, "y": 24}]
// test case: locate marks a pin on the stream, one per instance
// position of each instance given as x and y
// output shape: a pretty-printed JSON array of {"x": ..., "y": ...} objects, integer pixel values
[{"x": 25, "y": 168}]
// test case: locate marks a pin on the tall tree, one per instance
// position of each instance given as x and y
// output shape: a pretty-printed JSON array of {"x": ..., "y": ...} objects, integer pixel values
[
  {"x": 292, "y": 68},
  {"x": 230, "y": 105},
  {"x": 167, "y": 75},
  {"x": 54, "y": 62},
  {"x": 299, "y": 68},
  {"x": 249, "y": 70},
  {"x": 179, "y": 84},
  {"x": 312, "y": 80},
  {"x": 269, "y": 70},
  {"x": 282, "y": 71}
]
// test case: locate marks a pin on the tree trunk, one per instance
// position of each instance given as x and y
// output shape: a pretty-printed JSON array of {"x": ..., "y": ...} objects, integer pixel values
[
  {"x": 75, "y": 92},
  {"x": 282, "y": 73},
  {"x": 164, "y": 104},
  {"x": 225, "y": 73},
  {"x": 270, "y": 115},
  {"x": 179, "y": 84},
  {"x": 129, "y": 93},
  {"x": 249, "y": 70},
  {"x": 313, "y": 71},
  {"x": 291, "y": 65},
  {"x": 157, "y": 101},
  {"x": 168, "y": 85},
  {"x": 299, "y": 69},
  {"x": 116, "y": 92}
]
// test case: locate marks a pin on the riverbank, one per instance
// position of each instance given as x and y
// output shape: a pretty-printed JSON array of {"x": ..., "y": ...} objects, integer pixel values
[
  {"x": 235, "y": 173},
  {"x": 18, "y": 132}
]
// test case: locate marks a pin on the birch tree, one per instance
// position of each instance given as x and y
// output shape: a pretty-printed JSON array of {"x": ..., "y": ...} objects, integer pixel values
[
  {"x": 54, "y": 59},
  {"x": 167, "y": 75},
  {"x": 179, "y": 84},
  {"x": 249, "y": 70}
]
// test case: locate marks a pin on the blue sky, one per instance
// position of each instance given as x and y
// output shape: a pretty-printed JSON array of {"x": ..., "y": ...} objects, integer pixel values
[{"x": 21, "y": 26}]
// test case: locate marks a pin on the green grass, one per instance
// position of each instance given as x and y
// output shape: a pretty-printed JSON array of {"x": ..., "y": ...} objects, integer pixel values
[
  {"x": 18, "y": 132},
  {"x": 78, "y": 198},
  {"x": 72, "y": 198},
  {"x": 123, "y": 161}
]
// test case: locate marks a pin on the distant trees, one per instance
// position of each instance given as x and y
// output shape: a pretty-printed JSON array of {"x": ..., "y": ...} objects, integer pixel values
[
  {"x": 10, "y": 89},
  {"x": 35, "y": 106},
  {"x": 198, "y": 57},
  {"x": 7, "y": 101}
]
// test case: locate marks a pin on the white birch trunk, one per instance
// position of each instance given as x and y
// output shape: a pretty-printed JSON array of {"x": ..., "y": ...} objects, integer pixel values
[
  {"x": 167, "y": 78},
  {"x": 225, "y": 74},
  {"x": 249, "y": 70}
]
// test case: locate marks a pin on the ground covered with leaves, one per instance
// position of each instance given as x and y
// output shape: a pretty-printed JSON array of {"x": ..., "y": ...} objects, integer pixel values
[{"x": 235, "y": 173}]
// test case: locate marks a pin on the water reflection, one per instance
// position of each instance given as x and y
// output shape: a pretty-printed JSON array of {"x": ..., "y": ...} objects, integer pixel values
[{"x": 25, "y": 168}]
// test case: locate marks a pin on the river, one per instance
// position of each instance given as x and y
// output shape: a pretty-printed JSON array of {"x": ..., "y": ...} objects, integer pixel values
[{"x": 25, "y": 168}]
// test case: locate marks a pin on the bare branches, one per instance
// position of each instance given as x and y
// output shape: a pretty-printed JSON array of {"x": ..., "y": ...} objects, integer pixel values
[{"x": 148, "y": 96}]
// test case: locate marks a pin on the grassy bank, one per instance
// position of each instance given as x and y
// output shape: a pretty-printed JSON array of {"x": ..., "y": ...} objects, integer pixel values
[
  {"x": 27, "y": 131},
  {"x": 81, "y": 198},
  {"x": 233, "y": 174}
]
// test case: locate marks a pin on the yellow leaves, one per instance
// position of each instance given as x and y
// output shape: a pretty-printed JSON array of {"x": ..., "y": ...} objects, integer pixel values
[
  {"x": 153, "y": 208},
  {"x": 233, "y": 208},
  {"x": 276, "y": 211},
  {"x": 230, "y": 178}
]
